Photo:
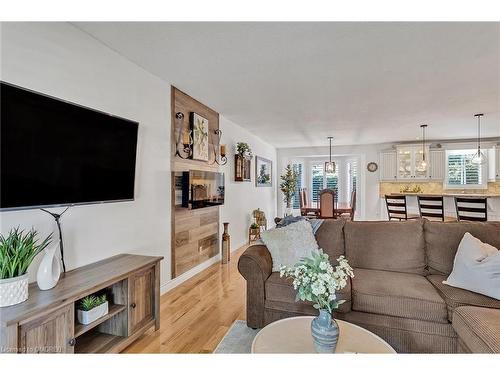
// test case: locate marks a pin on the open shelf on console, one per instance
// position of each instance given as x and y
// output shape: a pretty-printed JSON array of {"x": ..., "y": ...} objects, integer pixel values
[{"x": 80, "y": 329}]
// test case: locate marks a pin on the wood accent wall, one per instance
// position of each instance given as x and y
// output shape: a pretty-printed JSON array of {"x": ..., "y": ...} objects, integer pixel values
[{"x": 195, "y": 233}]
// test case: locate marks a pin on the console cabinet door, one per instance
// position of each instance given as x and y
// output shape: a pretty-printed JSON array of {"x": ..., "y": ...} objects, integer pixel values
[
  {"x": 51, "y": 334},
  {"x": 141, "y": 308}
]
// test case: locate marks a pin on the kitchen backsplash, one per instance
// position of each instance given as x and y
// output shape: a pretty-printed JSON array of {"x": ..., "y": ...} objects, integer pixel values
[{"x": 434, "y": 188}]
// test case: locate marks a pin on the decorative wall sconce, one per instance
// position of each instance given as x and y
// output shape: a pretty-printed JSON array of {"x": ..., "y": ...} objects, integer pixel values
[
  {"x": 184, "y": 144},
  {"x": 184, "y": 138},
  {"x": 219, "y": 150}
]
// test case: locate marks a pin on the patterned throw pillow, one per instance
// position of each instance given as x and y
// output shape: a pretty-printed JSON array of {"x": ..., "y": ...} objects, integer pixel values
[{"x": 289, "y": 244}]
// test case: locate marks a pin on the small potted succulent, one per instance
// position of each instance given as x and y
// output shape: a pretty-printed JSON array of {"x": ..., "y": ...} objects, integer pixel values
[
  {"x": 17, "y": 251},
  {"x": 91, "y": 308}
]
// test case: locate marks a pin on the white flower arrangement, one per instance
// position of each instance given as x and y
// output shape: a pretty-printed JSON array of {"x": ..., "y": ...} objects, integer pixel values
[{"x": 317, "y": 281}]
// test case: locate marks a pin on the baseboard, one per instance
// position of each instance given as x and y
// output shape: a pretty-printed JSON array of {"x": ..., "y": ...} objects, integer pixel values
[
  {"x": 169, "y": 285},
  {"x": 164, "y": 288}
]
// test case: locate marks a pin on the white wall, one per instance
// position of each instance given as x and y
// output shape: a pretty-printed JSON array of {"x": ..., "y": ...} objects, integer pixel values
[
  {"x": 244, "y": 197},
  {"x": 60, "y": 60}
]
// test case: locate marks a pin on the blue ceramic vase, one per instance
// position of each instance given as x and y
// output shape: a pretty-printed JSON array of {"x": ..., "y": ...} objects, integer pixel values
[{"x": 325, "y": 332}]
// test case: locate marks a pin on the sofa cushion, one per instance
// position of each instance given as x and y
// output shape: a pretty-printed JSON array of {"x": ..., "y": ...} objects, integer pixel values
[
  {"x": 442, "y": 240},
  {"x": 383, "y": 245},
  {"x": 396, "y": 294},
  {"x": 330, "y": 238},
  {"x": 478, "y": 328},
  {"x": 280, "y": 295},
  {"x": 455, "y": 297}
]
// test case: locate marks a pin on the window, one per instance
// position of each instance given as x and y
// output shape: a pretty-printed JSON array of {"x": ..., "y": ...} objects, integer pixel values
[
  {"x": 317, "y": 180},
  {"x": 462, "y": 173},
  {"x": 352, "y": 168},
  {"x": 296, "y": 200},
  {"x": 322, "y": 180}
]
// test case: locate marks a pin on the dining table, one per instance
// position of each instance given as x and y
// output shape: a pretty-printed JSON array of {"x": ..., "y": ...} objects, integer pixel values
[{"x": 340, "y": 208}]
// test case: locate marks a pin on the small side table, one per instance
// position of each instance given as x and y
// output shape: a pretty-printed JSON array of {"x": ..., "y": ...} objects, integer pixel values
[{"x": 253, "y": 235}]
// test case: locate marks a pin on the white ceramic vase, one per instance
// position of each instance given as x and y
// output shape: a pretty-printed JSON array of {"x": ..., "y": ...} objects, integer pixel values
[
  {"x": 13, "y": 290},
  {"x": 49, "y": 270}
]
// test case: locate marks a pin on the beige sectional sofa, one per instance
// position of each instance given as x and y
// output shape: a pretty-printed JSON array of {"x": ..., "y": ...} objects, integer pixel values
[{"x": 397, "y": 291}]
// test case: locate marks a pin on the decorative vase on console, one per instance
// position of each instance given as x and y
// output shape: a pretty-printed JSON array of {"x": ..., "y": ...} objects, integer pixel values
[
  {"x": 49, "y": 270},
  {"x": 317, "y": 281}
]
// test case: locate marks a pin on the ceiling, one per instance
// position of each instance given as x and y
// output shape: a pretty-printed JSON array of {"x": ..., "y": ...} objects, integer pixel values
[{"x": 294, "y": 84}]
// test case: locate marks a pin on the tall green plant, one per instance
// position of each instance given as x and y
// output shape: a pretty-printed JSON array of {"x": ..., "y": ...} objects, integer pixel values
[
  {"x": 288, "y": 184},
  {"x": 18, "y": 250}
]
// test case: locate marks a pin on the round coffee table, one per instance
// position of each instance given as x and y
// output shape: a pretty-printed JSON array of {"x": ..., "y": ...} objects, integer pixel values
[{"x": 293, "y": 335}]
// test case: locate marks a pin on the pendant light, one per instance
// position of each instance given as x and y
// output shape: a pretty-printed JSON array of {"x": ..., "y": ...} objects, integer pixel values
[
  {"x": 330, "y": 165},
  {"x": 422, "y": 166},
  {"x": 479, "y": 157}
]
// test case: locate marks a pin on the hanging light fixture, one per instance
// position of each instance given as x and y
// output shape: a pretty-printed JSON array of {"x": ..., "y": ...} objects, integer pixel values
[
  {"x": 422, "y": 166},
  {"x": 330, "y": 165},
  {"x": 479, "y": 157}
]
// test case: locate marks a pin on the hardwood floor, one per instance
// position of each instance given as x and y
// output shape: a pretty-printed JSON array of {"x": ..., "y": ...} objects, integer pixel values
[{"x": 196, "y": 315}]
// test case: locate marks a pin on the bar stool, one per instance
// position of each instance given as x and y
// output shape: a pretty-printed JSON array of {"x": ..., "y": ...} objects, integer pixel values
[
  {"x": 471, "y": 209},
  {"x": 397, "y": 207},
  {"x": 431, "y": 207}
]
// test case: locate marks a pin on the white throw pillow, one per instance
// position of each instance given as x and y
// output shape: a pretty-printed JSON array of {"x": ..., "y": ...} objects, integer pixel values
[
  {"x": 476, "y": 267},
  {"x": 288, "y": 244}
]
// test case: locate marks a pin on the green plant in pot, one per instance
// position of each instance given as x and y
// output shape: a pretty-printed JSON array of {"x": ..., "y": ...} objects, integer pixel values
[
  {"x": 243, "y": 149},
  {"x": 17, "y": 251},
  {"x": 91, "y": 308},
  {"x": 287, "y": 186}
]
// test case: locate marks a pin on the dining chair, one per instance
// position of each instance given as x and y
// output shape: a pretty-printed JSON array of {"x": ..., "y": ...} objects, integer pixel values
[
  {"x": 471, "y": 208},
  {"x": 431, "y": 207},
  {"x": 351, "y": 213},
  {"x": 327, "y": 204},
  {"x": 305, "y": 207},
  {"x": 397, "y": 207}
]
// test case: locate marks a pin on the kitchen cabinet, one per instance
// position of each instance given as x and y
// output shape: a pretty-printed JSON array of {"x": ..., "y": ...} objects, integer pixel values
[
  {"x": 437, "y": 166},
  {"x": 388, "y": 166},
  {"x": 409, "y": 158},
  {"x": 497, "y": 163},
  {"x": 52, "y": 333}
]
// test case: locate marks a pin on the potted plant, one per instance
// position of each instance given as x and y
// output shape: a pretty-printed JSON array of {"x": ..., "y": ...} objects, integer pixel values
[
  {"x": 287, "y": 186},
  {"x": 17, "y": 251},
  {"x": 91, "y": 308},
  {"x": 254, "y": 229},
  {"x": 243, "y": 149},
  {"x": 317, "y": 281}
]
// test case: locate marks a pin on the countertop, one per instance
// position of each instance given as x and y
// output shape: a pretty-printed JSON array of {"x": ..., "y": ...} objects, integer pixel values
[{"x": 479, "y": 195}]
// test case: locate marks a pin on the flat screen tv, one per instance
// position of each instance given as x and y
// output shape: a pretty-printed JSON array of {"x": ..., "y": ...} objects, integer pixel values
[
  {"x": 56, "y": 153},
  {"x": 202, "y": 189}
]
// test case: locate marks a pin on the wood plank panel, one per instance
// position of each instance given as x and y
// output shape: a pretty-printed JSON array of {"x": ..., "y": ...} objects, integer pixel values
[{"x": 189, "y": 227}]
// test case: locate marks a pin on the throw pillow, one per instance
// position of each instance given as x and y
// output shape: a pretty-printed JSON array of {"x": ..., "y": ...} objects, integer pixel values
[
  {"x": 289, "y": 244},
  {"x": 287, "y": 220},
  {"x": 476, "y": 267}
]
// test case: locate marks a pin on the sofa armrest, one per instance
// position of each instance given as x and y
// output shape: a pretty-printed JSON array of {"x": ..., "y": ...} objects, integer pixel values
[{"x": 255, "y": 265}]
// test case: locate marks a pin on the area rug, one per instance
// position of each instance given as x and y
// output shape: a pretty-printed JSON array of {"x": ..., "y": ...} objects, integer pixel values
[{"x": 238, "y": 339}]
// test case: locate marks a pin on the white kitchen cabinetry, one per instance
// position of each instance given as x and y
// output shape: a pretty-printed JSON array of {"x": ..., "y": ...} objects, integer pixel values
[
  {"x": 497, "y": 163},
  {"x": 437, "y": 166},
  {"x": 388, "y": 166},
  {"x": 408, "y": 161}
]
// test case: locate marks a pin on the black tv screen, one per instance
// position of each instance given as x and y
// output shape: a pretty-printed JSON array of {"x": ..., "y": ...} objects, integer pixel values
[{"x": 55, "y": 153}]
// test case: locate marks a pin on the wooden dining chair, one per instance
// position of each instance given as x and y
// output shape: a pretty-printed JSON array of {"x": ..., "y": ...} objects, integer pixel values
[
  {"x": 431, "y": 207},
  {"x": 305, "y": 206},
  {"x": 350, "y": 215},
  {"x": 397, "y": 207},
  {"x": 471, "y": 208},
  {"x": 327, "y": 204}
]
